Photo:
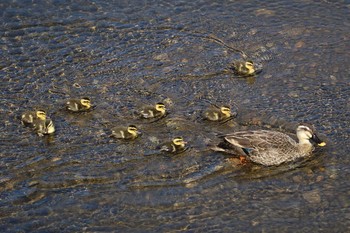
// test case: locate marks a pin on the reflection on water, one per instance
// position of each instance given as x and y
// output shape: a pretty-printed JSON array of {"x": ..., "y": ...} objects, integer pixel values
[{"x": 125, "y": 55}]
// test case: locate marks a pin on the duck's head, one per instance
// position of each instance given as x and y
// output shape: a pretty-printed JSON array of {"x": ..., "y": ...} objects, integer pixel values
[
  {"x": 41, "y": 114},
  {"x": 132, "y": 129},
  {"x": 244, "y": 67},
  {"x": 179, "y": 141},
  {"x": 306, "y": 132},
  {"x": 249, "y": 65},
  {"x": 85, "y": 102},
  {"x": 160, "y": 107},
  {"x": 225, "y": 110}
]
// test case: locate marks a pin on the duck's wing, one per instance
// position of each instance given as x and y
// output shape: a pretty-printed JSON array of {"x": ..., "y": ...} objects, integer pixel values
[
  {"x": 117, "y": 132},
  {"x": 147, "y": 112},
  {"x": 211, "y": 114},
  {"x": 250, "y": 141},
  {"x": 166, "y": 147}
]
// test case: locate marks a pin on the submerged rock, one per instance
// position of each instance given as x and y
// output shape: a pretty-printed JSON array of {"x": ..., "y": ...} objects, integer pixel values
[{"x": 312, "y": 196}]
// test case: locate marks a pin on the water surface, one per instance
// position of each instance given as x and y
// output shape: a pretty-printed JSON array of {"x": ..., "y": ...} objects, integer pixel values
[{"x": 125, "y": 54}]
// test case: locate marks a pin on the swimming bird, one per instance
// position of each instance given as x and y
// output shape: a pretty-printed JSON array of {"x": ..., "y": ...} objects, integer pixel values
[
  {"x": 269, "y": 147},
  {"x": 79, "y": 105},
  {"x": 243, "y": 68},
  {"x": 43, "y": 127},
  {"x": 156, "y": 111},
  {"x": 176, "y": 145},
  {"x": 214, "y": 113},
  {"x": 129, "y": 133},
  {"x": 28, "y": 118}
]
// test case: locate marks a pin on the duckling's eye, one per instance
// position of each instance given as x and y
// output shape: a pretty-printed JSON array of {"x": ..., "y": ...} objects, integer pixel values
[
  {"x": 86, "y": 102},
  {"x": 178, "y": 141},
  {"x": 225, "y": 110},
  {"x": 132, "y": 129},
  {"x": 249, "y": 64}
]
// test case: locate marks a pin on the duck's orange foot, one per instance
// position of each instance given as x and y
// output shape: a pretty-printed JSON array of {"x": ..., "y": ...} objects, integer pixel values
[
  {"x": 243, "y": 160},
  {"x": 234, "y": 161}
]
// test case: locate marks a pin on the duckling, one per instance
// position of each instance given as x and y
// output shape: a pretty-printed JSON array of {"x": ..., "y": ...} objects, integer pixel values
[
  {"x": 215, "y": 113},
  {"x": 129, "y": 133},
  {"x": 78, "y": 105},
  {"x": 43, "y": 127},
  {"x": 27, "y": 118},
  {"x": 269, "y": 147},
  {"x": 177, "y": 145},
  {"x": 243, "y": 68},
  {"x": 156, "y": 111}
]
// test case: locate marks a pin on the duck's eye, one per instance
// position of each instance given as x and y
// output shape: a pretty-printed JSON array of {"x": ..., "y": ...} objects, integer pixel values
[
  {"x": 178, "y": 141},
  {"x": 132, "y": 128},
  {"x": 249, "y": 64},
  {"x": 303, "y": 127},
  {"x": 85, "y": 102},
  {"x": 224, "y": 109}
]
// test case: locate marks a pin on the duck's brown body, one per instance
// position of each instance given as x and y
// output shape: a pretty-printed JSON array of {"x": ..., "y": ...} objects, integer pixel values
[{"x": 268, "y": 147}]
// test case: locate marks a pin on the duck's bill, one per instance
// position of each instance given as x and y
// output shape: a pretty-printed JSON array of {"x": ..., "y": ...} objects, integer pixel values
[
  {"x": 321, "y": 144},
  {"x": 317, "y": 140}
]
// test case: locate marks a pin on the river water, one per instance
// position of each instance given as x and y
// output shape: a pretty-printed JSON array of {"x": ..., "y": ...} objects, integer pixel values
[{"x": 125, "y": 54}]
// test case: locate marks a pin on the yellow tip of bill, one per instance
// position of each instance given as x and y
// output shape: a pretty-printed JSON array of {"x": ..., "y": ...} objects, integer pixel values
[{"x": 322, "y": 144}]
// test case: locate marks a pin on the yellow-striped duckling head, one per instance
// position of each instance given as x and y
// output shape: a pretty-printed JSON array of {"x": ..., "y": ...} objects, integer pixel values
[
  {"x": 79, "y": 105},
  {"x": 28, "y": 118},
  {"x": 41, "y": 114},
  {"x": 244, "y": 68},
  {"x": 129, "y": 133},
  {"x": 176, "y": 145},
  {"x": 156, "y": 111},
  {"x": 218, "y": 113},
  {"x": 86, "y": 102},
  {"x": 226, "y": 111}
]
